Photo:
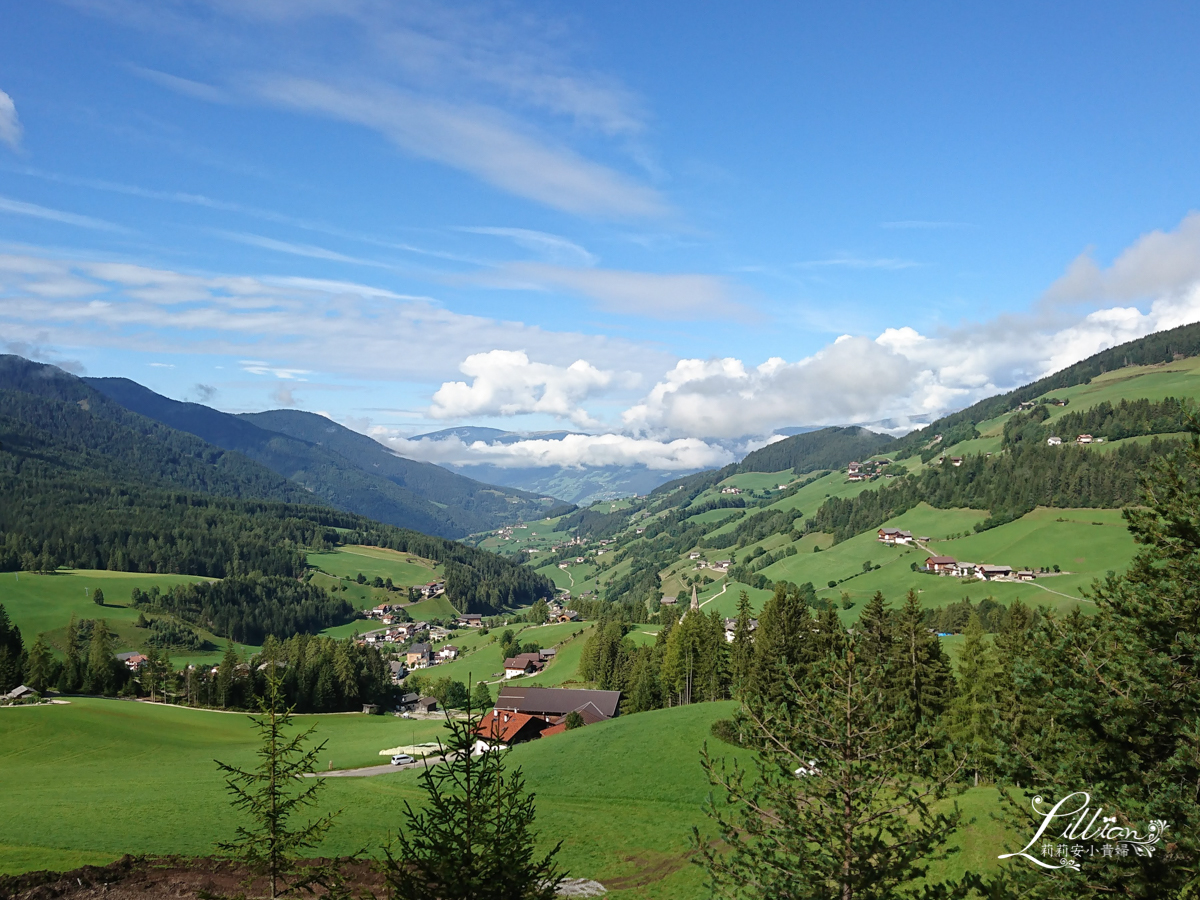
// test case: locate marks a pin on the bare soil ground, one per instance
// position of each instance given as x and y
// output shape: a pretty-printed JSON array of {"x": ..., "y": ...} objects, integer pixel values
[{"x": 144, "y": 878}]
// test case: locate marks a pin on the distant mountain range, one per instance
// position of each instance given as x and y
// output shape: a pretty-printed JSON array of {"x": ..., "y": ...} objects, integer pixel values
[
  {"x": 579, "y": 486},
  {"x": 311, "y": 457}
]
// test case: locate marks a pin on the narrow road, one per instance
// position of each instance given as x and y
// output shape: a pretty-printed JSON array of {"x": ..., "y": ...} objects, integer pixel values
[
  {"x": 369, "y": 771},
  {"x": 724, "y": 588},
  {"x": 1060, "y": 593}
]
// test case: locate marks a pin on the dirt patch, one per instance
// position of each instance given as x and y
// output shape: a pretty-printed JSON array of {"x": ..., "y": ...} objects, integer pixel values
[
  {"x": 648, "y": 869},
  {"x": 177, "y": 878}
]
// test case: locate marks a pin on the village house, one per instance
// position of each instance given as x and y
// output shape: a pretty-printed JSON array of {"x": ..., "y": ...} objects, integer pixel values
[
  {"x": 731, "y": 490},
  {"x": 1054, "y": 441},
  {"x": 566, "y": 615},
  {"x": 731, "y": 628},
  {"x": 447, "y": 653},
  {"x": 418, "y": 656},
  {"x": 470, "y": 620},
  {"x": 956, "y": 460},
  {"x": 133, "y": 661},
  {"x": 553, "y": 705},
  {"x": 433, "y": 588},
  {"x": 502, "y": 730},
  {"x": 1025, "y": 575},
  {"x": 20, "y": 692},
  {"x": 894, "y": 536},
  {"x": 426, "y": 705},
  {"x": 987, "y": 573},
  {"x": 721, "y": 565},
  {"x": 693, "y": 555},
  {"x": 941, "y": 565},
  {"x": 1084, "y": 439},
  {"x": 438, "y": 633},
  {"x": 398, "y": 670},
  {"x": 965, "y": 570},
  {"x": 523, "y": 664}
]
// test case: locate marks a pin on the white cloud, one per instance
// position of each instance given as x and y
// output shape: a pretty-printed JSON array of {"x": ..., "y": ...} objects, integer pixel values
[
  {"x": 21, "y": 208},
  {"x": 850, "y": 380},
  {"x": 338, "y": 328},
  {"x": 258, "y": 367},
  {"x": 1156, "y": 263},
  {"x": 10, "y": 125},
  {"x": 507, "y": 383},
  {"x": 475, "y": 139},
  {"x": 673, "y": 296},
  {"x": 572, "y": 451}
]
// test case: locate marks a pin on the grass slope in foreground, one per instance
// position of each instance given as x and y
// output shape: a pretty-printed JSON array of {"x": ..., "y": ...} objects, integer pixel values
[{"x": 100, "y": 778}]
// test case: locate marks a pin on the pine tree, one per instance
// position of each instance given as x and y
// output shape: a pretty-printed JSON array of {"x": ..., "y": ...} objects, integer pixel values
[
  {"x": 225, "y": 677},
  {"x": 40, "y": 666},
  {"x": 875, "y": 630},
  {"x": 472, "y": 839},
  {"x": 831, "y": 809},
  {"x": 921, "y": 679},
  {"x": 741, "y": 651},
  {"x": 644, "y": 691},
  {"x": 12, "y": 654},
  {"x": 71, "y": 677},
  {"x": 100, "y": 676},
  {"x": 274, "y": 792},
  {"x": 784, "y": 628},
  {"x": 971, "y": 720}
]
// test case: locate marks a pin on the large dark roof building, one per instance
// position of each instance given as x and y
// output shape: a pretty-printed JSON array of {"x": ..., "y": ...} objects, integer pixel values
[{"x": 552, "y": 703}]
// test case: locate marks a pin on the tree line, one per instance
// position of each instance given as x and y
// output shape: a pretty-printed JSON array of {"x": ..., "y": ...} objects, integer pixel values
[{"x": 248, "y": 609}]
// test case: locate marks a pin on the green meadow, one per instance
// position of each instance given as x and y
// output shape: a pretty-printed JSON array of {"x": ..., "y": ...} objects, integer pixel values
[
  {"x": 99, "y": 778},
  {"x": 376, "y": 562}
]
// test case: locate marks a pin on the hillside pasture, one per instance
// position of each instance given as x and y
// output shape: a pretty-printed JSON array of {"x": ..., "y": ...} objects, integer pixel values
[
  {"x": 43, "y": 604},
  {"x": 622, "y": 795},
  {"x": 404, "y": 569}
]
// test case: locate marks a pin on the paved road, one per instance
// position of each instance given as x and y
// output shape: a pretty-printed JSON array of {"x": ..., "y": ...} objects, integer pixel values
[{"x": 369, "y": 771}]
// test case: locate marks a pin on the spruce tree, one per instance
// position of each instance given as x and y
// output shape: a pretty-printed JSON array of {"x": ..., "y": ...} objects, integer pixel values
[
  {"x": 831, "y": 808},
  {"x": 472, "y": 838},
  {"x": 741, "y": 651},
  {"x": 481, "y": 696},
  {"x": 40, "y": 665},
  {"x": 100, "y": 676},
  {"x": 971, "y": 720},
  {"x": 784, "y": 628},
  {"x": 921, "y": 681},
  {"x": 12, "y": 654},
  {"x": 71, "y": 677},
  {"x": 274, "y": 792}
]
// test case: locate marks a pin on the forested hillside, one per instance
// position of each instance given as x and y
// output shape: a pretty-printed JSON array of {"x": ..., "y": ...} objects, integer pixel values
[
  {"x": 341, "y": 468},
  {"x": 828, "y": 448},
  {"x": 1160, "y": 347},
  {"x": 85, "y": 483}
]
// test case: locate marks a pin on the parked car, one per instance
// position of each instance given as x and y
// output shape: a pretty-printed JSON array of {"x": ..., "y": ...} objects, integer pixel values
[{"x": 402, "y": 759}]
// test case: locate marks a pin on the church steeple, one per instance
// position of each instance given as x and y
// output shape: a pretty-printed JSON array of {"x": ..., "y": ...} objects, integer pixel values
[{"x": 695, "y": 601}]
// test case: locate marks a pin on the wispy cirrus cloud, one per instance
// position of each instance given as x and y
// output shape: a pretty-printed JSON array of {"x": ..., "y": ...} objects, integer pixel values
[
  {"x": 33, "y": 210},
  {"x": 553, "y": 246},
  {"x": 650, "y": 294},
  {"x": 476, "y": 139},
  {"x": 857, "y": 262}
]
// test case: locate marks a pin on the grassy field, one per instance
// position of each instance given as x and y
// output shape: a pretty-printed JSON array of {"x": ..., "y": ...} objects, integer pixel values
[
  {"x": 376, "y": 562},
  {"x": 99, "y": 778},
  {"x": 44, "y": 604},
  {"x": 1084, "y": 543}
]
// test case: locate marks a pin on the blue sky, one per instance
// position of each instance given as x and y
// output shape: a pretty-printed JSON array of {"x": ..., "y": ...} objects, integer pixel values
[{"x": 676, "y": 231}]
